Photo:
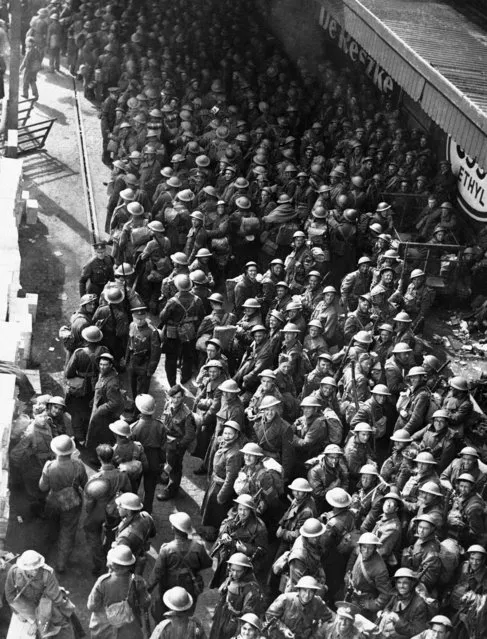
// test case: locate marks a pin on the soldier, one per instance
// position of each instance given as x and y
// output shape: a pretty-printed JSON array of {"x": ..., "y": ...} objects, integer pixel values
[
  {"x": 97, "y": 272},
  {"x": 440, "y": 627},
  {"x": 418, "y": 298},
  {"x": 115, "y": 587},
  {"x": 310, "y": 433},
  {"x": 299, "y": 614},
  {"x": 63, "y": 480},
  {"x": 135, "y": 528},
  {"x": 275, "y": 435},
  {"x": 356, "y": 284},
  {"x": 242, "y": 531},
  {"x": 179, "y": 563},
  {"x": 180, "y": 318},
  {"x": 113, "y": 320},
  {"x": 327, "y": 471},
  {"x": 388, "y": 528},
  {"x": 307, "y": 554},
  {"x": 107, "y": 121},
  {"x": 371, "y": 410},
  {"x": 179, "y": 432},
  {"x": 413, "y": 404},
  {"x": 358, "y": 450},
  {"x": 28, "y": 582},
  {"x": 397, "y": 468},
  {"x": 465, "y": 520},
  {"x": 467, "y": 596},
  {"x": 178, "y": 621},
  {"x": 436, "y": 437},
  {"x": 468, "y": 461},
  {"x": 395, "y": 369},
  {"x": 424, "y": 555},
  {"x": 81, "y": 319},
  {"x": 257, "y": 357},
  {"x": 367, "y": 577},
  {"x": 406, "y": 613},
  {"x": 458, "y": 404},
  {"x": 107, "y": 403},
  {"x": 150, "y": 433},
  {"x": 143, "y": 352},
  {"x": 302, "y": 507},
  {"x": 100, "y": 491}
]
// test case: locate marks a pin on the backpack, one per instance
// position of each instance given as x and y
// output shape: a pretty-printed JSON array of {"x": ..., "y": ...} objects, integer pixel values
[
  {"x": 230, "y": 285},
  {"x": 450, "y": 552},
  {"x": 285, "y": 233}
]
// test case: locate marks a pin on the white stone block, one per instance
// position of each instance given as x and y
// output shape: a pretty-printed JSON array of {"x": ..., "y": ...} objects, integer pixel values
[{"x": 31, "y": 211}]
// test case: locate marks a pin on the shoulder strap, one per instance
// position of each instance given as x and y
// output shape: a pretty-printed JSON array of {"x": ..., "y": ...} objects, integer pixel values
[{"x": 362, "y": 567}]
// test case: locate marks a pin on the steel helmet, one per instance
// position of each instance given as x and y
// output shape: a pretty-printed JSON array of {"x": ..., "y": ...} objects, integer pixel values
[
  {"x": 308, "y": 582},
  {"x": 326, "y": 356},
  {"x": 135, "y": 209},
  {"x": 370, "y": 539},
  {"x": 333, "y": 449},
  {"x": 401, "y": 347},
  {"x": 89, "y": 298},
  {"x": 92, "y": 334},
  {"x": 129, "y": 501},
  {"x": 416, "y": 371},
  {"x": 477, "y": 548},
  {"x": 156, "y": 226},
  {"x": 431, "y": 361},
  {"x": 310, "y": 402},
  {"x": 329, "y": 289},
  {"x": 252, "y": 619},
  {"x": 230, "y": 423},
  {"x": 269, "y": 401},
  {"x": 401, "y": 435},
  {"x": 121, "y": 555},
  {"x": 243, "y": 202},
  {"x": 97, "y": 488},
  {"x": 177, "y": 599},
  {"x": 316, "y": 323},
  {"x": 229, "y": 386},
  {"x": 239, "y": 559},
  {"x": 290, "y": 327},
  {"x": 328, "y": 381},
  {"x": 251, "y": 302},
  {"x": 282, "y": 284},
  {"x": 216, "y": 297},
  {"x": 363, "y": 427},
  {"x": 298, "y": 234},
  {"x": 30, "y": 560},
  {"x": 402, "y": 317},
  {"x": 350, "y": 215},
  {"x": 300, "y": 484},
  {"x": 203, "y": 252},
  {"x": 441, "y": 412},
  {"x": 391, "y": 254},
  {"x": 252, "y": 449},
  {"x": 469, "y": 450},
  {"x": 258, "y": 328},
  {"x": 417, "y": 272},
  {"x": 128, "y": 195},
  {"x": 338, "y": 498},
  {"x": 378, "y": 289},
  {"x": 459, "y": 383},
  {"x": 186, "y": 195},
  {"x": 120, "y": 427},
  {"x": 124, "y": 270},
  {"x": 375, "y": 228},
  {"x": 267, "y": 373},
  {"x": 442, "y": 620},
  {"x": 383, "y": 206},
  {"x": 405, "y": 572},
  {"x": 431, "y": 488},
  {"x": 393, "y": 495},
  {"x": 62, "y": 445},
  {"x": 381, "y": 389},
  {"x": 182, "y": 282},
  {"x": 369, "y": 469},
  {"x": 466, "y": 477},
  {"x": 294, "y": 306},
  {"x": 425, "y": 457},
  {"x": 145, "y": 403},
  {"x": 386, "y": 327},
  {"x": 182, "y": 522},
  {"x": 312, "y": 528},
  {"x": 179, "y": 258},
  {"x": 364, "y": 260},
  {"x": 57, "y": 400},
  {"x": 198, "y": 277},
  {"x": 245, "y": 500},
  {"x": 114, "y": 295},
  {"x": 363, "y": 337}
]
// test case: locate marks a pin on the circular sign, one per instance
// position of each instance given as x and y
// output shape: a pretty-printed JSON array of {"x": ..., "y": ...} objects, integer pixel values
[{"x": 471, "y": 182}]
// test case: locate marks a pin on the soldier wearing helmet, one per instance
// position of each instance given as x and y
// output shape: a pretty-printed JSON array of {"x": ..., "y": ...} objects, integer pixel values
[
  {"x": 372, "y": 411},
  {"x": 424, "y": 555},
  {"x": 367, "y": 577},
  {"x": 83, "y": 365},
  {"x": 135, "y": 529},
  {"x": 241, "y": 531},
  {"x": 397, "y": 468},
  {"x": 418, "y": 298},
  {"x": 257, "y": 357},
  {"x": 112, "y": 317},
  {"x": 467, "y": 461},
  {"x": 414, "y": 403},
  {"x": 356, "y": 284},
  {"x": 247, "y": 287},
  {"x": 326, "y": 311},
  {"x": 439, "y": 439},
  {"x": 467, "y": 594},
  {"x": 465, "y": 519},
  {"x": 343, "y": 243},
  {"x": 406, "y": 613},
  {"x": 358, "y": 450},
  {"x": 239, "y": 594},
  {"x": 79, "y": 320},
  {"x": 395, "y": 369},
  {"x": 181, "y": 317},
  {"x": 299, "y": 613},
  {"x": 458, "y": 404},
  {"x": 143, "y": 352},
  {"x": 100, "y": 491},
  {"x": 97, "y": 272},
  {"x": 310, "y": 433}
]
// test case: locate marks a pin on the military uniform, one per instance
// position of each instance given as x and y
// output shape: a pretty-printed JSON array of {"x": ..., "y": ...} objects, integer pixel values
[
  {"x": 60, "y": 475},
  {"x": 369, "y": 581},
  {"x": 309, "y": 439},
  {"x": 424, "y": 558},
  {"x": 418, "y": 301},
  {"x": 276, "y": 440},
  {"x": 236, "y": 599},
  {"x": 150, "y": 433},
  {"x": 323, "y": 477},
  {"x": 305, "y": 559},
  {"x": 415, "y": 404},
  {"x": 304, "y": 621},
  {"x": 142, "y": 356},
  {"x": 465, "y": 520},
  {"x": 412, "y": 612},
  {"x": 178, "y": 563},
  {"x": 95, "y": 275},
  {"x": 135, "y": 531},
  {"x": 107, "y": 407},
  {"x": 180, "y": 431}
]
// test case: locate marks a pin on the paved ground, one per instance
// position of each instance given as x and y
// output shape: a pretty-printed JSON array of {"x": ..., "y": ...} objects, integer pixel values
[{"x": 53, "y": 252}]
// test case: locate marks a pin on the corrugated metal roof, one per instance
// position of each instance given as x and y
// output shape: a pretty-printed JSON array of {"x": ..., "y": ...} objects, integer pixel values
[{"x": 435, "y": 53}]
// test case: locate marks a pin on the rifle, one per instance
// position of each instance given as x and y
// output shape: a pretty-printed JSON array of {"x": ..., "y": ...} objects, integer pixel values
[
  {"x": 417, "y": 322},
  {"x": 354, "y": 385},
  {"x": 232, "y": 528},
  {"x": 339, "y": 372},
  {"x": 401, "y": 278},
  {"x": 438, "y": 380}
]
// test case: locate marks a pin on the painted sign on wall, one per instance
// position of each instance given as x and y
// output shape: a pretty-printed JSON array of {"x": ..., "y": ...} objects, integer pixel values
[{"x": 472, "y": 182}]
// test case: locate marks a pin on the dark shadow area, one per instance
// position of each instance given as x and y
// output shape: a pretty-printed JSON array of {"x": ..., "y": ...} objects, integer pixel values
[
  {"x": 42, "y": 165},
  {"x": 50, "y": 112}
]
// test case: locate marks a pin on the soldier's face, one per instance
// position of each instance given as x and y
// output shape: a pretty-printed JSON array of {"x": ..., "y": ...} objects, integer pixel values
[
  {"x": 366, "y": 550},
  {"x": 363, "y": 437},
  {"x": 380, "y": 399},
  {"x": 438, "y": 631},
  {"x": 424, "y": 529},
  {"x": 314, "y": 331},
  {"x": 90, "y": 308},
  {"x": 269, "y": 413},
  {"x": 332, "y": 460},
  {"x": 285, "y": 367},
  {"x": 213, "y": 372},
  {"x": 343, "y": 625},
  {"x": 229, "y": 434},
  {"x": 249, "y": 632},
  {"x": 308, "y": 411},
  {"x": 250, "y": 460},
  {"x": 305, "y": 595},
  {"x": 211, "y": 351},
  {"x": 404, "y": 586},
  {"x": 364, "y": 306},
  {"x": 177, "y": 400},
  {"x": 298, "y": 495},
  {"x": 389, "y": 506},
  {"x": 464, "y": 488},
  {"x": 476, "y": 560},
  {"x": 243, "y": 512},
  {"x": 439, "y": 423},
  {"x": 468, "y": 462},
  {"x": 267, "y": 383},
  {"x": 100, "y": 253},
  {"x": 236, "y": 572},
  {"x": 104, "y": 366},
  {"x": 140, "y": 320}
]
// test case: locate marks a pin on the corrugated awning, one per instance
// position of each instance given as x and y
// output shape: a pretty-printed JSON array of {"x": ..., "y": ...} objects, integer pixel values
[{"x": 437, "y": 56}]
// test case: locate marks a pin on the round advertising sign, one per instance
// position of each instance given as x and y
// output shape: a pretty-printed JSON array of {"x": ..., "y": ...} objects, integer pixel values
[{"x": 472, "y": 182}]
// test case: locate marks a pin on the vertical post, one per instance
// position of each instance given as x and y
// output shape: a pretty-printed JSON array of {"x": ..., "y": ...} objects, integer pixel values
[{"x": 13, "y": 98}]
